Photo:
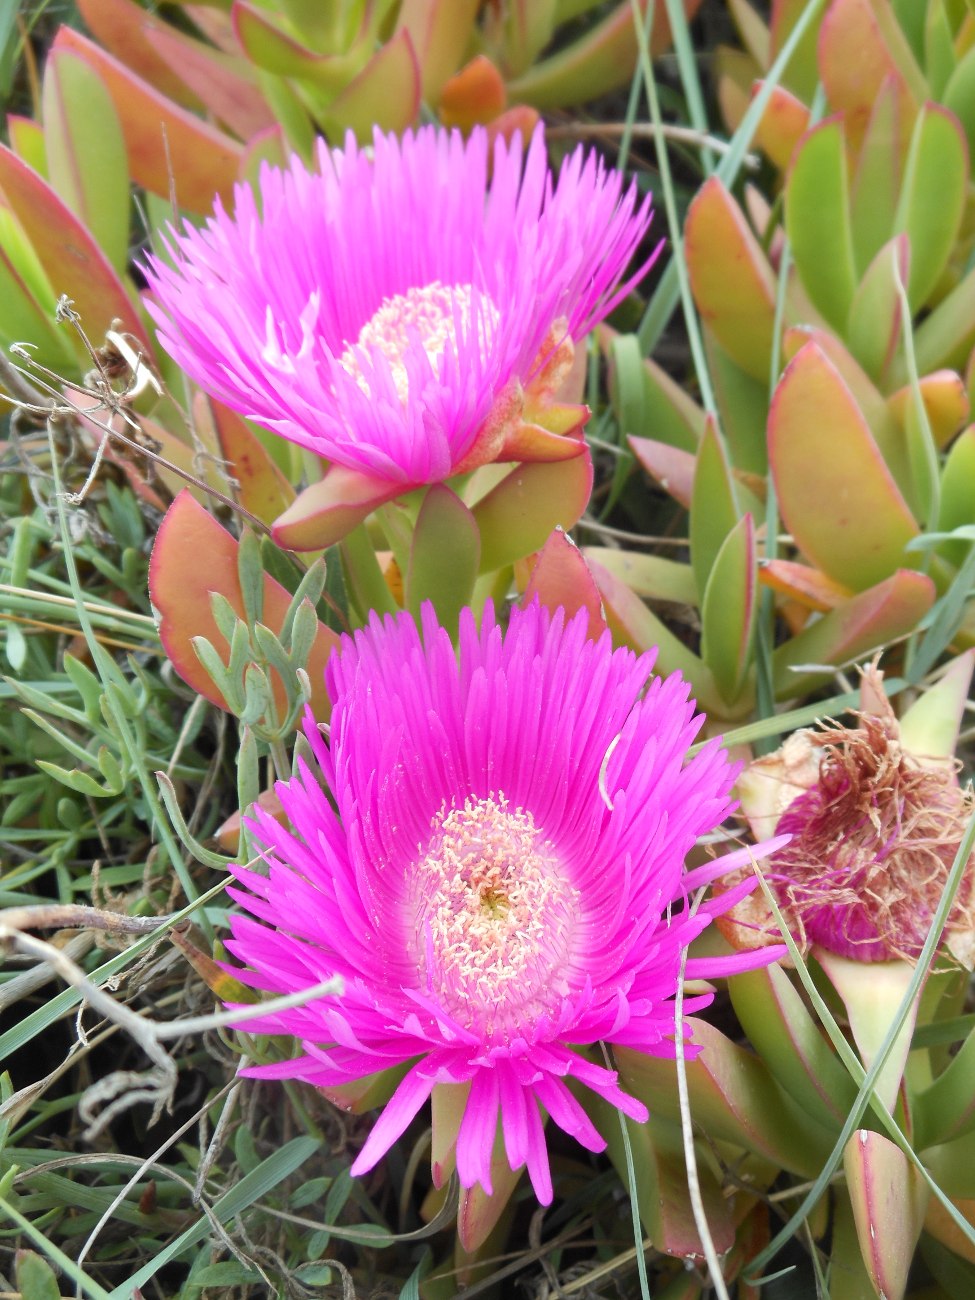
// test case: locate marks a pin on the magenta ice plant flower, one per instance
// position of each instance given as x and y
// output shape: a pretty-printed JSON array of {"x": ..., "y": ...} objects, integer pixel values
[
  {"x": 406, "y": 311},
  {"x": 492, "y": 859}
]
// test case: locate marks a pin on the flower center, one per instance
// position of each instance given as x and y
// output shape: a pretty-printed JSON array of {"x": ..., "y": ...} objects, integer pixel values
[
  {"x": 495, "y": 916},
  {"x": 430, "y": 314}
]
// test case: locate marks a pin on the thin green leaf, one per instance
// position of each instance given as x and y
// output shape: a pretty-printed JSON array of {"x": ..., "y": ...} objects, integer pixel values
[
  {"x": 272, "y": 1171},
  {"x": 48, "y": 1248}
]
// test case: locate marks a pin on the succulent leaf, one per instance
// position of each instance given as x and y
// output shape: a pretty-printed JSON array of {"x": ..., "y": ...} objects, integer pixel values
[
  {"x": 733, "y": 285},
  {"x": 817, "y": 216},
  {"x": 837, "y": 496}
]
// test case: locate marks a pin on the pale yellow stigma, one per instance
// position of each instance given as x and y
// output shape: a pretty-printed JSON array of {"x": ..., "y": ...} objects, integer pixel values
[
  {"x": 430, "y": 313},
  {"x": 495, "y": 917}
]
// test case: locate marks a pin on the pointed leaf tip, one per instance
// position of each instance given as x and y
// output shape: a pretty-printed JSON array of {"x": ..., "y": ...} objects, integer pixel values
[{"x": 560, "y": 577}]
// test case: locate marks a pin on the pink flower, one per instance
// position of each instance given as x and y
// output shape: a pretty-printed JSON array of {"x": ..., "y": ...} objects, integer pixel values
[
  {"x": 396, "y": 311},
  {"x": 500, "y": 882}
]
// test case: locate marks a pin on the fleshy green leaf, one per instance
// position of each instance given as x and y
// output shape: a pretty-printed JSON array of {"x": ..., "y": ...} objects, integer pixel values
[
  {"x": 939, "y": 48},
  {"x": 728, "y": 610},
  {"x": 602, "y": 59},
  {"x": 945, "y": 337},
  {"x": 803, "y": 584},
  {"x": 260, "y": 487},
  {"x": 959, "y": 96},
  {"x": 328, "y": 510},
  {"x": 733, "y": 285},
  {"x": 661, "y": 1190},
  {"x": 886, "y": 428},
  {"x": 836, "y": 495},
  {"x": 70, "y": 257},
  {"x": 35, "y": 1277},
  {"x": 646, "y": 401},
  {"x": 866, "y": 622},
  {"x": 27, "y": 142},
  {"x": 753, "y": 32},
  {"x": 28, "y": 301},
  {"x": 801, "y": 74},
  {"x": 127, "y": 31},
  {"x": 792, "y": 1044},
  {"x": 945, "y": 401},
  {"x": 860, "y": 46},
  {"x": 874, "y": 329},
  {"x": 85, "y": 151},
  {"x": 672, "y": 468},
  {"x": 930, "y": 726},
  {"x": 784, "y": 123},
  {"x": 225, "y": 84},
  {"x": 742, "y": 402},
  {"x": 932, "y": 199},
  {"x": 945, "y": 1110},
  {"x": 652, "y": 577},
  {"x": 714, "y": 506},
  {"x": 168, "y": 147},
  {"x": 636, "y": 626},
  {"x": 386, "y": 94},
  {"x": 273, "y": 50},
  {"x": 876, "y": 181},
  {"x": 957, "y": 508},
  {"x": 440, "y": 32},
  {"x": 527, "y": 29},
  {"x": 817, "y": 220}
]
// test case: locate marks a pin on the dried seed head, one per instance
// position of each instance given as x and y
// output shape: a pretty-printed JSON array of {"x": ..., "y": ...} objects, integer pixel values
[{"x": 873, "y": 842}]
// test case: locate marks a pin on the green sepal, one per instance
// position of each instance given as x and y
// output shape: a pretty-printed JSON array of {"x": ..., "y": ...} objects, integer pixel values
[
  {"x": 445, "y": 553},
  {"x": 517, "y": 515}
]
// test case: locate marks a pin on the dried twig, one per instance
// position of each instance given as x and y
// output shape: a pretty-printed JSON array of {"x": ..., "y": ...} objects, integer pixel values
[{"x": 118, "y": 1091}]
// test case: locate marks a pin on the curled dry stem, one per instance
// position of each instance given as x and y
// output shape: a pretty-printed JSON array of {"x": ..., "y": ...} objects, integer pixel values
[{"x": 123, "y": 1088}]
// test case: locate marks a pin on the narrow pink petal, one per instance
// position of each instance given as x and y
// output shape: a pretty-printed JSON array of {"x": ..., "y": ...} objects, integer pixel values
[
  {"x": 475, "y": 1141},
  {"x": 399, "y": 1111}
]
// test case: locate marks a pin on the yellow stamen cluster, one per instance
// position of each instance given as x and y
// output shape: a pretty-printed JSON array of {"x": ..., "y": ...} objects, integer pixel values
[{"x": 494, "y": 917}]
